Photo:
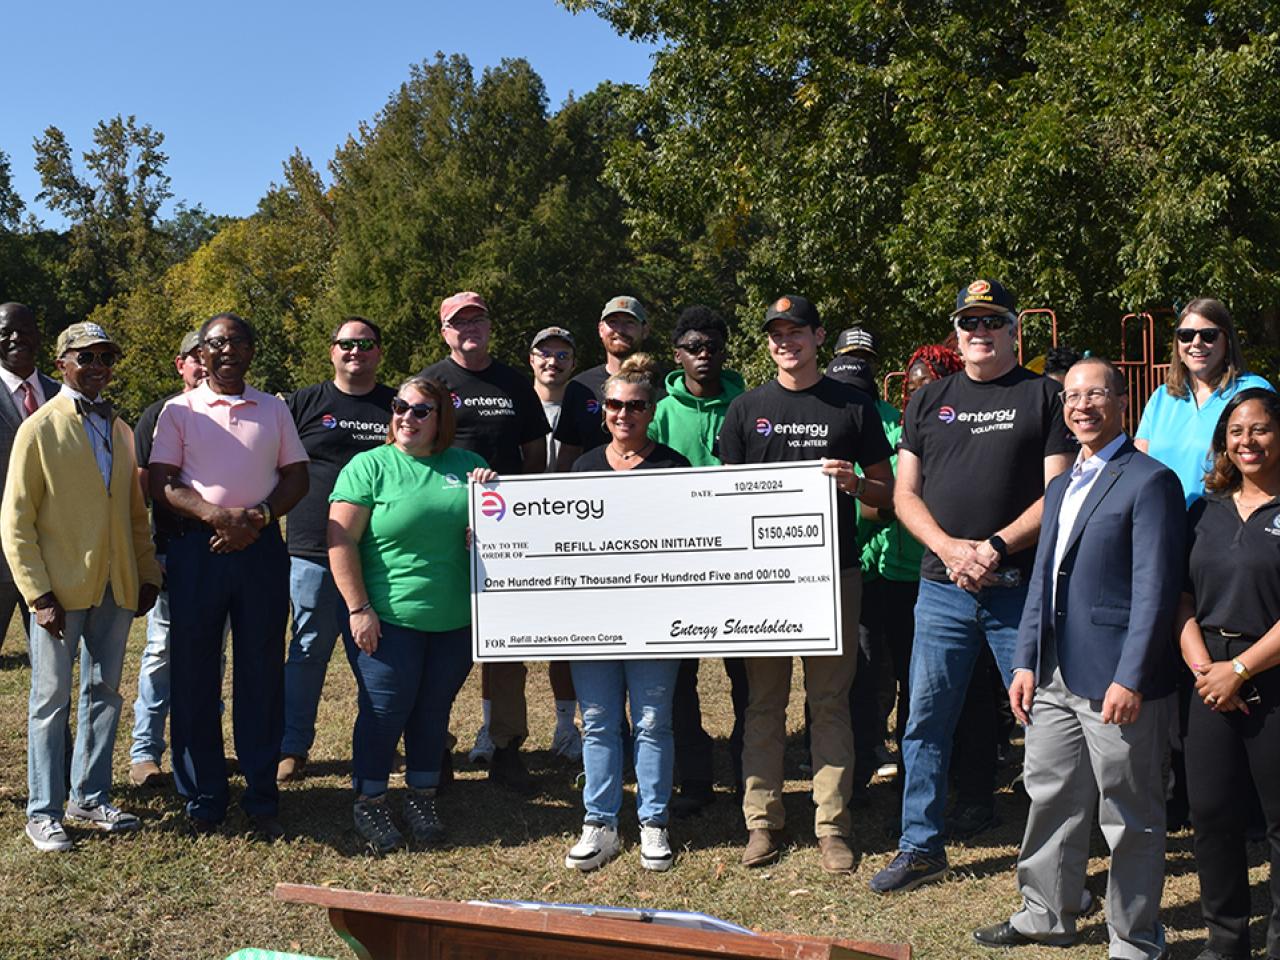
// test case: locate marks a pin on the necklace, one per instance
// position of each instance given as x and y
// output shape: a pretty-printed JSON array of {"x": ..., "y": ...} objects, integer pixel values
[
  {"x": 1244, "y": 507},
  {"x": 630, "y": 454}
]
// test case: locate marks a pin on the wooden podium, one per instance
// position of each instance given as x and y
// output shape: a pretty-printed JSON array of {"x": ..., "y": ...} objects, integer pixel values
[{"x": 383, "y": 927}]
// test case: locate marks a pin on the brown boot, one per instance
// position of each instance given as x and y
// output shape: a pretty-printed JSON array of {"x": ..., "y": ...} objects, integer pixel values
[
  {"x": 291, "y": 768},
  {"x": 145, "y": 773},
  {"x": 762, "y": 848},
  {"x": 837, "y": 857}
]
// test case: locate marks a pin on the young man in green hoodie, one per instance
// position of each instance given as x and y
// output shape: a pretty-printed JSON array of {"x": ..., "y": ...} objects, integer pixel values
[{"x": 688, "y": 420}]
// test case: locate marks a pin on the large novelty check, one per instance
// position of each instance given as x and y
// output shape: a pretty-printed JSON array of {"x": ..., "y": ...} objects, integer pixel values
[{"x": 712, "y": 561}]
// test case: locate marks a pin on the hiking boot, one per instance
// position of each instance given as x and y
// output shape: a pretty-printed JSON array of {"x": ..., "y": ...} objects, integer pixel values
[
  {"x": 482, "y": 752},
  {"x": 419, "y": 812},
  {"x": 103, "y": 817},
  {"x": 837, "y": 856},
  {"x": 48, "y": 836},
  {"x": 507, "y": 769},
  {"x": 762, "y": 848},
  {"x": 598, "y": 845},
  {"x": 655, "y": 847},
  {"x": 292, "y": 766},
  {"x": 908, "y": 871},
  {"x": 373, "y": 822},
  {"x": 145, "y": 773}
]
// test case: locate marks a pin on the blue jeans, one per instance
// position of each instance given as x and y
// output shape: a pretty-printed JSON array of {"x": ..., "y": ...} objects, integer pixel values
[
  {"x": 406, "y": 686},
  {"x": 951, "y": 627},
  {"x": 603, "y": 688},
  {"x": 319, "y": 615},
  {"x": 100, "y": 634},
  {"x": 251, "y": 586}
]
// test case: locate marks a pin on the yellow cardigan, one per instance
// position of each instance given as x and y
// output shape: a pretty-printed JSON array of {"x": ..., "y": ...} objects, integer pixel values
[{"x": 62, "y": 530}]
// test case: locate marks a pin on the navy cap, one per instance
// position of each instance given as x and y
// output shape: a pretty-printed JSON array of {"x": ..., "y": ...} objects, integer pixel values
[{"x": 985, "y": 293}]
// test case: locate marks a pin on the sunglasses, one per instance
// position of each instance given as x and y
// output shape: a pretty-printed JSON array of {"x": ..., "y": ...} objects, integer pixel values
[
  {"x": 1208, "y": 335},
  {"x": 992, "y": 322},
  {"x": 561, "y": 355},
  {"x": 420, "y": 411},
  {"x": 363, "y": 344},
  {"x": 695, "y": 347},
  {"x": 633, "y": 406},
  {"x": 107, "y": 358},
  {"x": 217, "y": 343}
]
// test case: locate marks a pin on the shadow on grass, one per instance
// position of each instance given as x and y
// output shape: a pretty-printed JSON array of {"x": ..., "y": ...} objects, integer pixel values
[{"x": 14, "y": 660}]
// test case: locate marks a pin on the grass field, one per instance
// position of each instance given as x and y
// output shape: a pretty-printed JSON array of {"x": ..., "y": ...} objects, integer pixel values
[{"x": 165, "y": 894}]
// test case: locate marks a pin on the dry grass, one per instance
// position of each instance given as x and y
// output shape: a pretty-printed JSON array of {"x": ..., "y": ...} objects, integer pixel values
[{"x": 163, "y": 894}]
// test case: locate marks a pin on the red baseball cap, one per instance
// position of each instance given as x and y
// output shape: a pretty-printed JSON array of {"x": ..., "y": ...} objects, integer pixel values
[{"x": 460, "y": 301}]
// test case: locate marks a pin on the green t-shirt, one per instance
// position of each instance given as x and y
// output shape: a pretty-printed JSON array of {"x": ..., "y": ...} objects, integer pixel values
[
  {"x": 887, "y": 549},
  {"x": 413, "y": 553}
]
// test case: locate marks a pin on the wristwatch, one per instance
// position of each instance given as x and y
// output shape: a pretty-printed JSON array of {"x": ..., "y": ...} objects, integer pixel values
[
  {"x": 265, "y": 509},
  {"x": 1240, "y": 669},
  {"x": 999, "y": 546}
]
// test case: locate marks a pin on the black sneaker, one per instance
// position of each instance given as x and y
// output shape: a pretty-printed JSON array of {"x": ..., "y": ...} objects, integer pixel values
[
  {"x": 419, "y": 810},
  {"x": 694, "y": 797},
  {"x": 969, "y": 820},
  {"x": 507, "y": 768},
  {"x": 908, "y": 871}
]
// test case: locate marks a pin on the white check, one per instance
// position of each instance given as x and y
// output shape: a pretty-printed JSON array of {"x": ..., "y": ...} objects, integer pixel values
[{"x": 713, "y": 561}]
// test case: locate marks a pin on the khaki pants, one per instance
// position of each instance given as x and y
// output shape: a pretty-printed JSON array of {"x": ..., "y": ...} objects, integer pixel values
[
  {"x": 508, "y": 713},
  {"x": 826, "y": 685}
]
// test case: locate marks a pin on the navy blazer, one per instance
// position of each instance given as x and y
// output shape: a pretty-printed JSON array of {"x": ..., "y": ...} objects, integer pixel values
[
  {"x": 10, "y": 420},
  {"x": 1118, "y": 584}
]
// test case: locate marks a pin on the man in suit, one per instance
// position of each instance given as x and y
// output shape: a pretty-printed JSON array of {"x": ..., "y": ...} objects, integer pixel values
[
  {"x": 1094, "y": 670},
  {"x": 25, "y": 390}
]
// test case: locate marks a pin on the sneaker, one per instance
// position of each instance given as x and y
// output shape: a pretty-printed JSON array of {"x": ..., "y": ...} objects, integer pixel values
[
  {"x": 265, "y": 827},
  {"x": 103, "y": 817},
  {"x": 507, "y": 769},
  {"x": 482, "y": 752},
  {"x": 48, "y": 835},
  {"x": 655, "y": 848},
  {"x": 419, "y": 811},
  {"x": 373, "y": 822},
  {"x": 887, "y": 763},
  {"x": 694, "y": 797},
  {"x": 970, "y": 819},
  {"x": 145, "y": 773},
  {"x": 598, "y": 845},
  {"x": 292, "y": 766},
  {"x": 567, "y": 743},
  {"x": 908, "y": 871}
]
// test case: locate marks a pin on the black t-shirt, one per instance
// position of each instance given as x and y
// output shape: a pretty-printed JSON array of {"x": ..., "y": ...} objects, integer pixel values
[
  {"x": 661, "y": 457},
  {"x": 982, "y": 447},
  {"x": 165, "y": 524},
  {"x": 497, "y": 411},
  {"x": 1233, "y": 570},
  {"x": 334, "y": 427},
  {"x": 772, "y": 424},
  {"x": 580, "y": 423}
]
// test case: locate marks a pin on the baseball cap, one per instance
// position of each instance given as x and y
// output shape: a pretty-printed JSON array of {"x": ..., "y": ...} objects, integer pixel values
[
  {"x": 459, "y": 301},
  {"x": 627, "y": 305},
  {"x": 794, "y": 308},
  {"x": 189, "y": 342},
  {"x": 854, "y": 371},
  {"x": 81, "y": 335},
  {"x": 855, "y": 338},
  {"x": 546, "y": 333},
  {"x": 985, "y": 293}
]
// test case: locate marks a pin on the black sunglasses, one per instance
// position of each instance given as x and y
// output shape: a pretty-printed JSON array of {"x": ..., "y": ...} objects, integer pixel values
[
  {"x": 617, "y": 406},
  {"x": 363, "y": 344},
  {"x": 1208, "y": 335},
  {"x": 695, "y": 347},
  {"x": 107, "y": 358},
  {"x": 217, "y": 343},
  {"x": 420, "y": 411},
  {"x": 995, "y": 321}
]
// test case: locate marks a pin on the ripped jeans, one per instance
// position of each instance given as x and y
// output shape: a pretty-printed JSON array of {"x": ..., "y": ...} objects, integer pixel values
[{"x": 603, "y": 688}]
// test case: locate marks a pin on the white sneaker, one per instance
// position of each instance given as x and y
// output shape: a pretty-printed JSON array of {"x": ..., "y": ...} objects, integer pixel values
[
  {"x": 103, "y": 817},
  {"x": 599, "y": 844},
  {"x": 567, "y": 743},
  {"x": 48, "y": 835},
  {"x": 655, "y": 848},
  {"x": 482, "y": 752}
]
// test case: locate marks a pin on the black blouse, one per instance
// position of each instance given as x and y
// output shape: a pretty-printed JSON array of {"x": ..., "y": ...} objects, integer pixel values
[{"x": 1234, "y": 566}]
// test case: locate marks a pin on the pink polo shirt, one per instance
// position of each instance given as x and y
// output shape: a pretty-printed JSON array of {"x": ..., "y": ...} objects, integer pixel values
[{"x": 229, "y": 450}]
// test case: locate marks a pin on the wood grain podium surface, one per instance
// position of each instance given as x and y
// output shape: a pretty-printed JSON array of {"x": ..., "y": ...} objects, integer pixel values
[{"x": 380, "y": 926}]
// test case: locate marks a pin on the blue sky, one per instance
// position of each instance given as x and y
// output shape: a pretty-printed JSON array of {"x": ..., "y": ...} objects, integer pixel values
[{"x": 235, "y": 86}]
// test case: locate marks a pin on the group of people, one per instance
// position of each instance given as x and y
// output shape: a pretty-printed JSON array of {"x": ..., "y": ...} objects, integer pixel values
[{"x": 1003, "y": 524}]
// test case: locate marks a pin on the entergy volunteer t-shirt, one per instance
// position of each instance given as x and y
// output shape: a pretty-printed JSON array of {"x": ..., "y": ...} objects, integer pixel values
[
  {"x": 496, "y": 409},
  {"x": 334, "y": 427},
  {"x": 772, "y": 424},
  {"x": 413, "y": 553},
  {"x": 982, "y": 447},
  {"x": 580, "y": 424}
]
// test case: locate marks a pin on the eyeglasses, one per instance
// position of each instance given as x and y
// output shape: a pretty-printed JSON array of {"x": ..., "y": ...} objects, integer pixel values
[
  {"x": 217, "y": 343},
  {"x": 561, "y": 355},
  {"x": 107, "y": 358},
  {"x": 1078, "y": 398},
  {"x": 363, "y": 344},
  {"x": 632, "y": 406},
  {"x": 994, "y": 321},
  {"x": 420, "y": 411},
  {"x": 458, "y": 323},
  {"x": 694, "y": 347},
  {"x": 1208, "y": 335}
]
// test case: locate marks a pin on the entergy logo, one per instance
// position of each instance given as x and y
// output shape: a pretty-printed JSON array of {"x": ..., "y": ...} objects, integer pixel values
[
  {"x": 457, "y": 400},
  {"x": 328, "y": 421},
  {"x": 593, "y": 405},
  {"x": 947, "y": 414},
  {"x": 764, "y": 427},
  {"x": 492, "y": 505}
]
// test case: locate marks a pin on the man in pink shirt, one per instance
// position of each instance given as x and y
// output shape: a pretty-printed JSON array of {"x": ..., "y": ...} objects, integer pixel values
[{"x": 226, "y": 458}]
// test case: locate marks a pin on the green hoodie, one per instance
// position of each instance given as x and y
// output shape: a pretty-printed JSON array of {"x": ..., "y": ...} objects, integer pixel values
[{"x": 691, "y": 425}]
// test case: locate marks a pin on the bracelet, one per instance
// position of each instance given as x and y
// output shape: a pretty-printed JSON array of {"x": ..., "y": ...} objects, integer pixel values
[{"x": 367, "y": 605}]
